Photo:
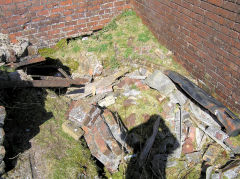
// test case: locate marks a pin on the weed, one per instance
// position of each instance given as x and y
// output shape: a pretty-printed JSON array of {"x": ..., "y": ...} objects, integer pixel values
[
  {"x": 114, "y": 63},
  {"x": 143, "y": 37},
  {"x": 128, "y": 13},
  {"x": 111, "y": 26},
  {"x": 61, "y": 44},
  {"x": 99, "y": 48},
  {"x": 76, "y": 49},
  {"x": 72, "y": 64},
  {"x": 119, "y": 33},
  {"x": 128, "y": 52},
  {"x": 47, "y": 52},
  {"x": 107, "y": 37},
  {"x": 6, "y": 69}
]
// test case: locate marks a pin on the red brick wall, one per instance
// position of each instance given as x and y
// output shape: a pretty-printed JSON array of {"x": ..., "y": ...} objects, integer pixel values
[
  {"x": 44, "y": 22},
  {"x": 204, "y": 36}
]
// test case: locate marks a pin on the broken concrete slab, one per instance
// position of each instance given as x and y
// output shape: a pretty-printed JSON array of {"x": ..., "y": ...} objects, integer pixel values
[
  {"x": 160, "y": 82},
  {"x": 177, "y": 97},
  {"x": 203, "y": 116},
  {"x": 107, "y": 101}
]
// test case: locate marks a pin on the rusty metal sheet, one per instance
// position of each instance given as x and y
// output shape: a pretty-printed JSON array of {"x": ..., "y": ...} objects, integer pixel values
[
  {"x": 27, "y": 62},
  {"x": 223, "y": 114},
  {"x": 49, "y": 82},
  {"x": 34, "y": 83}
]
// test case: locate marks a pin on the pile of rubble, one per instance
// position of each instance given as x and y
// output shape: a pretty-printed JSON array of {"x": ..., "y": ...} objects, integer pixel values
[
  {"x": 190, "y": 132},
  {"x": 12, "y": 52}
]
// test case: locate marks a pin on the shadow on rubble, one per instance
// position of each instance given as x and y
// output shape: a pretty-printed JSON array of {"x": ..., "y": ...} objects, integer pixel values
[
  {"x": 26, "y": 112},
  {"x": 160, "y": 153}
]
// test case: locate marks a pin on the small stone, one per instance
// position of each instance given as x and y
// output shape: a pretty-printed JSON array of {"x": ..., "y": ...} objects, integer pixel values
[
  {"x": 2, "y": 136},
  {"x": 209, "y": 172},
  {"x": 32, "y": 50},
  {"x": 2, "y": 153},
  {"x": 216, "y": 176},
  {"x": 160, "y": 54},
  {"x": 102, "y": 90},
  {"x": 12, "y": 57},
  {"x": 200, "y": 138},
  {"x": 129, "y": 102},
  {"x": 160, "y": 98},
  {"x": 108, "y": 101},
  {"x": 146, "y": 117},
  {"x": 142, "y": 71},
  {"x": 211, "y": 154},
  {"x": 84, "y": 38},
  {"x": 135, "y": 75},
  {"x": 132, "y": 92},
  {"x": 232, "y": 173},
  {"x": 98, "y": 69},
  {"x": 188, "y": 146},
  {"x": 72, "y": 129},
  {"x": 160, "y": 82},
  {"x": 2, "y": 167},
  {"x": 235, "y": 147},
  {"x": 194, "y": 157},
  {"x": 131, "y": 120},
  {"x": 2, "y": 115}
]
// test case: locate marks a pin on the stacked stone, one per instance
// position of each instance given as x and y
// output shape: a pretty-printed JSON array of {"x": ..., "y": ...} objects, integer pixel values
[
  {"x": 2, "y": 134},
  {"x": 103, "y": 135}
]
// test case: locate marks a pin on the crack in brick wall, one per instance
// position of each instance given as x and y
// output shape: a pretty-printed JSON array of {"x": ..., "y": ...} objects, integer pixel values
[{"x": 205, "y": 39}]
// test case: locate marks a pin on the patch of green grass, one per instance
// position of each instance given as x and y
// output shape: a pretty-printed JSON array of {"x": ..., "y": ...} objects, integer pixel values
[
  {"x": 119, "y": 33},
  {"x": 164, "y": 49},
  {"x": 110, "y": 26},
  {"x": 61, "y": 44},
  {"x": 143, "y": 37},
  {"x": 6, "y": 69},
  {"x": 118, "y": 175},
  {"x": 76, "y": 49},
  {"x": 128, "y": 52},
  {"x": 47, "y": 52},
  {"x": 107, "y": 37},
  {"x": 99, "y": 49},
  {"x": 66, "y": 157},
  {"x": 72, "y": 64},
  {"x": 128, "y": 13},
  {"x": 114, "y": 63}
]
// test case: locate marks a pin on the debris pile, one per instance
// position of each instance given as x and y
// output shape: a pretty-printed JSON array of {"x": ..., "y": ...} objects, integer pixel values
[
  {"x": 184, "y": 133},
  {"x": 12, "y": 52}
]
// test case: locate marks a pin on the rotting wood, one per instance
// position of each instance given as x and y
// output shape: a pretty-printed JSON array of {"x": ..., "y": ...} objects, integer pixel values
[{"x": 149, "y": 143}]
